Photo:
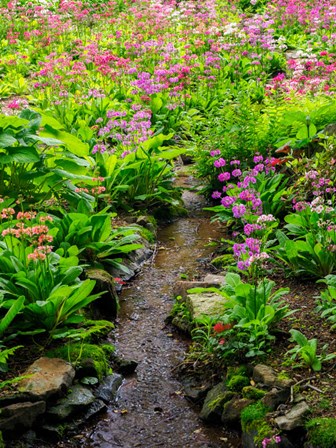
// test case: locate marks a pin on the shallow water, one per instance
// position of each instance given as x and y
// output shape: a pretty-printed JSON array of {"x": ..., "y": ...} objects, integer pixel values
[{"x": 151, "y": 410}]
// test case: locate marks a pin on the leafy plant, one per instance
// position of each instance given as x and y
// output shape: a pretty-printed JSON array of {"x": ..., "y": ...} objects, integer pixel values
[
  {"x": 97, "y": 241},
  {"x": 250, "y": 313},
  {"x": 310, "y": 257},
  {"x": 306, "y": 350},
  {"x": 327, "y": 301}
]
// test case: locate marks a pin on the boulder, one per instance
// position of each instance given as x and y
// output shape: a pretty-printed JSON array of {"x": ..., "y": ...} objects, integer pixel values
[
  {"x": 78, "y": 400},
  {"x": 205, "y": 304},
  {"x": 232, "y": 410},
  {"x": 293, "y": 419},
  {"x": 48, "y": 377},
  {"x": 264, "y": 374},
  {"x": 214, "y": 402},
  {"x": 210, "y": 281},
  {"x": 215, "y": 279},
  {"x": 18, "y": 416}
]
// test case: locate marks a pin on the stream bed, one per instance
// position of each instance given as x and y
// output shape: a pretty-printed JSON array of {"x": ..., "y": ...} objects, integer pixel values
[{"x": 151, "y": 410}]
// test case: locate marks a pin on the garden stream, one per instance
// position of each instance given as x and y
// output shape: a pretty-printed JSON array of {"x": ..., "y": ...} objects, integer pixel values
[{"x": 151, "y": 410}]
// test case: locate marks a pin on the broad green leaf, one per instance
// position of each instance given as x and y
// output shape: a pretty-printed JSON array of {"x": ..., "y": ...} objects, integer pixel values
[
  {"x": 12, "y": 121},
  {"x": 6, "y": 140},
  {"x": 302, "y": 133},
  {"x": 73, "y": 143},
  {"x": 11, "y": 313}
]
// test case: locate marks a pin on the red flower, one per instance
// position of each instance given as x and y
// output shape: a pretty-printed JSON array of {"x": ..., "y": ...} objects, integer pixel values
[
  {"x": 119, "y": 281},
  {"x": 219, "y": 327},
  {"x": 221, "y": 341}
]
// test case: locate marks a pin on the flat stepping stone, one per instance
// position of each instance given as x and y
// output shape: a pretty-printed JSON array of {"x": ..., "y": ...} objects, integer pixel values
[{"x": 205, "y": 304}]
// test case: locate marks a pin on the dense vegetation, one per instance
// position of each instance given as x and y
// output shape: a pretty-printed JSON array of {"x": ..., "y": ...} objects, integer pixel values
[{"x": 98, "y": 101}]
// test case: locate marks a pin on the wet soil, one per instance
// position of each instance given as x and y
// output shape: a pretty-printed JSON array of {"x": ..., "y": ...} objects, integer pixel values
[{"x": 151, "y": 410}]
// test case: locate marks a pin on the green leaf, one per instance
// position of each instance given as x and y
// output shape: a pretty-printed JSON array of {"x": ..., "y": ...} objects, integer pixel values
[
  {"x": 73, "y": 143},
  {"x": 312, "y": 130},
  {"x": 6, "y": 140},
  {"x": 298, "y": 337},
  {"x": 21, "y": 154},
  {"x": 12, "y": 121},
  {"x": 11, "y": 313},
  {"x": 302, "y": 133},
  {"x": 51, "y": 122}
]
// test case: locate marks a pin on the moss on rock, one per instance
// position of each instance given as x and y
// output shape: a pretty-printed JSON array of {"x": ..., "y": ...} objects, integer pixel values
[
  {"x": 253, "y": 393},
  {"x": 251, "y": 414},
  {"x": 321, "y": 433},
  {"x": 237, "y": 382},
  {"x": 88, "y": 359}
]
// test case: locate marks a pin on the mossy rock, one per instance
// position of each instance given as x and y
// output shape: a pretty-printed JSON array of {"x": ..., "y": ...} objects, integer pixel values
[
  {"x": 232, "y": 410},
  {"x": 237, "y": 382},
  {"x": 214, "y": 402},
  {"x": 252, "y": 413},
  {"x": 256, "y": 433},
  {"x": 238, "y": 370},
  {"x": 222, "y": 261},
  {"x": 321, "y": 433},
  {"x": 88, "y": 359},
  {"x": 253, "y": 393}
]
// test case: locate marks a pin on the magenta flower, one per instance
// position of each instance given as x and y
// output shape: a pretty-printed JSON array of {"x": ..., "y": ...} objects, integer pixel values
[
  {"x": 238, "y": 210},
  {"x": 222, "y": 177}
]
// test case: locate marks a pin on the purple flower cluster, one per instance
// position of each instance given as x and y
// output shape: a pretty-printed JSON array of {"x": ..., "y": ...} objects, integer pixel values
[{"x": 121, "y": 130}]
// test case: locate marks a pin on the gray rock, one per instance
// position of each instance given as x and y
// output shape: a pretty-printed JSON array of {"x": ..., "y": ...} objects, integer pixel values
[
  {"x": 232, "y": 410},
  {"x": 264, "y": 374},
  {"x": 78, "y": 400},
  {"x": 47, "y": 377},
  {"x": 95, "y": 408},
  {"x": 293, "y": 419},
  {"x": 108, "y": 302},
  {"x": 205, "y": 304},
  {"x": 195, "y": 390},
  {"x": 214, "y": 402},
  {"x": 20, "y": 415},
  {"x": 123, "y": 365},
  {"x": 181, "y": 287},
  {"x": 215, "y": 279},
  {"x": 275, "y": 397},
  {"x": 108, "y": 388}
]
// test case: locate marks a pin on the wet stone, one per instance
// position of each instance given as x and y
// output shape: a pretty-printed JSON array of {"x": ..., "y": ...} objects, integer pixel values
[
  {"x": 20, "y": 415},
  {"x": 108, "y": 389},
  {"x": 79, "y": 399}
]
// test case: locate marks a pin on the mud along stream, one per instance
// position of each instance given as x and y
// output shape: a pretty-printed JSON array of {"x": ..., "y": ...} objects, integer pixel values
[{"x": 151, "y": 410}]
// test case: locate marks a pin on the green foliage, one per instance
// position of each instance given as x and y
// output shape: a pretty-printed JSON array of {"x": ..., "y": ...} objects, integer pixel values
[
  {"x": 306, "y": 351},
  {"x": 321, "y": 432},
  {"x": 327, "y": 300},
  {"x": 253, "y": 310},
  {"x": 84, "y": 356},
  {"x": 4, "y": 355},
  {"x": 97, "y": 241},
  {"x": 308, "y": 257}
]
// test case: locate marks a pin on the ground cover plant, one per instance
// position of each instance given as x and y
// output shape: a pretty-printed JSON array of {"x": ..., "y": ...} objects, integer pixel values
[{"x": 98, "y": 100}]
